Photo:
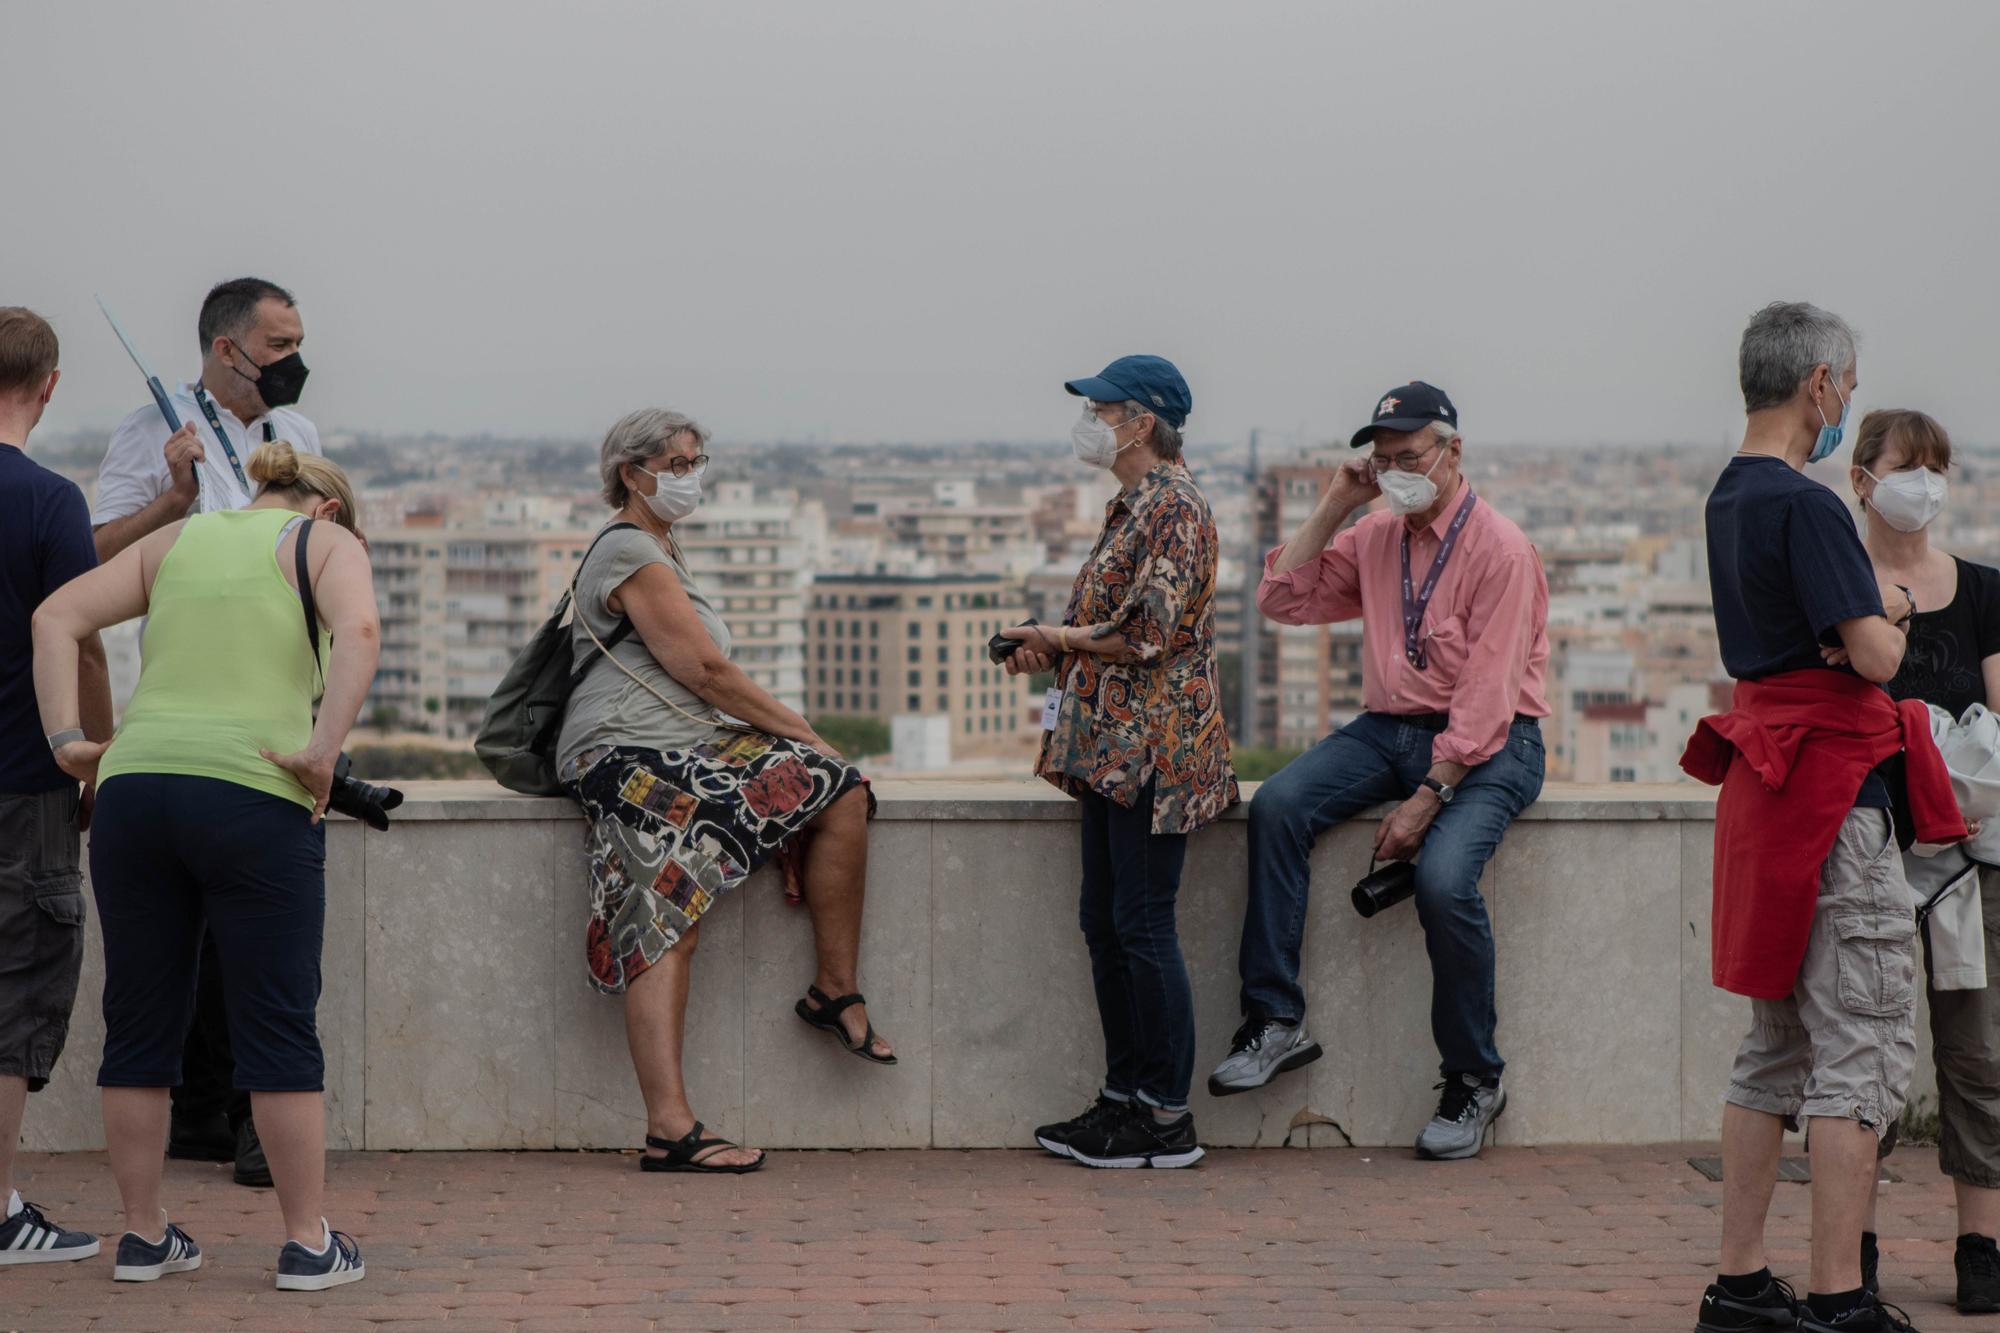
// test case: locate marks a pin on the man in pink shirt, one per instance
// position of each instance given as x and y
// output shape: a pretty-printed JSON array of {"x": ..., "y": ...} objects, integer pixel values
[{"x": 1454, "y": 612}]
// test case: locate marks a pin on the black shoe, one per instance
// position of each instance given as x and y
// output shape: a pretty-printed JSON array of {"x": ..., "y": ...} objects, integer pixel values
[
  {"x": 1137, "y": 1139},
  {"x": 1776, "y": 1306},
  {"x": 1978, "y": 1264},
  {"x": 1871, "y": 1264},
  {"x": 251, "y": 1168},
  {"x": 201, "y": 1139},
  {"x": 1871, "y": 1316},
  {"x": 1060, "y": 1137}
]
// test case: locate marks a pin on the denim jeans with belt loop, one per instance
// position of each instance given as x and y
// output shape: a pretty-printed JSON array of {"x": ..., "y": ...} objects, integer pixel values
[{"x": 1375, "y": 758}]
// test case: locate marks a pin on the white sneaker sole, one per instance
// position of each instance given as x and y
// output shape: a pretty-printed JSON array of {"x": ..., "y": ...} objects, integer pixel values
[
  {"x": 1298, "y": 1059},
  {"x": 1463, "y": 1154},
  {"x": 1059, "y": 1149},
  {"x": 48, "y": 1256},
  {"x": 1161, "y": 1160},
  {"x": 153, "y": 1272},
  {"x": 321, "y": 1281}
]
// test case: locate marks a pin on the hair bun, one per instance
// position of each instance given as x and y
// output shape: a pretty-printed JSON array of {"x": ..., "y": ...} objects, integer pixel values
[{"x": 274, "y": 464}]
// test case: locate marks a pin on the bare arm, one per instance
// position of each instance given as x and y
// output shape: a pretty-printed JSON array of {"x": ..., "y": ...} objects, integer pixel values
[
  {"x": 343, "y": 589},
  {"x": 72, "y": 614},
  {"x": 94, "y": 689},
  {"x": 672, "y": 631},
  {"x": 183, "y": 450},
  {"x": 1352, "y": 487},
  {"x": 1874, "y": 647}
]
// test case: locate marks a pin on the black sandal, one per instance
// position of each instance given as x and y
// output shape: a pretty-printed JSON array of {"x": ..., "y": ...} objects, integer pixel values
[
  {"x": 681, "y": 1154},
  {"x": 827, "y": 1019}
]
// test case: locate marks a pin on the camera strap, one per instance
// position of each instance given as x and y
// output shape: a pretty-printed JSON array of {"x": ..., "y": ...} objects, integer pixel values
[{"x": 306, "y": 597}]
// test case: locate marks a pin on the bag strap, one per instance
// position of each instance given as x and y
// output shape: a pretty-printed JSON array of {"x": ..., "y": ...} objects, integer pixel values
[
  {"x": 306, "y": 594},
  {"x": 568, "y": 599}
]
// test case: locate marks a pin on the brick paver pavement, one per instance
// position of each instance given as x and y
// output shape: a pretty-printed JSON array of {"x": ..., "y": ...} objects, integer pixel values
[{"x": 1600, "y": 1238}]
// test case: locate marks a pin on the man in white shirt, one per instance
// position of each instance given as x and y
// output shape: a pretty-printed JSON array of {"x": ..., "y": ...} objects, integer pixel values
[{"x": 251, "y": 374}]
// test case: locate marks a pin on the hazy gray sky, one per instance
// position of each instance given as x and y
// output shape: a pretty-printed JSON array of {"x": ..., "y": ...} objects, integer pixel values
[{"x": 911, "y": 221}]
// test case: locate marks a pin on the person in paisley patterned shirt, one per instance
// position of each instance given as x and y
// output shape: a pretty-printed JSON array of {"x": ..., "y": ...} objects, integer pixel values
[{"x": 1134, "y": 732}]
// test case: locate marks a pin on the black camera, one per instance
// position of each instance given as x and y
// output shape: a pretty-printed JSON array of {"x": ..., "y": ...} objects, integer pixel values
[
  {"x": 1384, "y": 887},
  {"x": 999, "y": 648},
  {"x": 361, "y": 800}
]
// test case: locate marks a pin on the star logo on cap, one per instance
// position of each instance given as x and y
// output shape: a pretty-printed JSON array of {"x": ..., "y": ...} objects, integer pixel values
[{"x": 1388, "y": 406}]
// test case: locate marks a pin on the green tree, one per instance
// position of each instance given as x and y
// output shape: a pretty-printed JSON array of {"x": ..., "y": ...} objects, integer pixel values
[
  {"x": 854, "y": 736},
  {"x": 1254, "y": 763}
]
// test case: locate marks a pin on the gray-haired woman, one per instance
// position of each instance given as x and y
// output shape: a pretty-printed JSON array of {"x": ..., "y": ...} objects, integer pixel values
[{"x": 684, "y": 805}]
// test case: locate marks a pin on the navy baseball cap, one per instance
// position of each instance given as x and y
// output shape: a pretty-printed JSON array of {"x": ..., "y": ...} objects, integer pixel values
[
  {"x": 1149, "y": 380},
  {"x": 1407, "y": 407}
]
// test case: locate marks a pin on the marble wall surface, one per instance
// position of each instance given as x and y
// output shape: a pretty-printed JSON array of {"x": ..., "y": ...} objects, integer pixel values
[{"x": 456, "y": 1013}]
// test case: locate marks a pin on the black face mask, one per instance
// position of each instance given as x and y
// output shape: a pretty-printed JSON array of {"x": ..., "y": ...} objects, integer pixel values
[{"x": 281, "y": 382}]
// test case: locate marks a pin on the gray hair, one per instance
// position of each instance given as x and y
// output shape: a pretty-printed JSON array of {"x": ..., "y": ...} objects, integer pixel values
[
  {"x": 637, "y": 437},
  {"x": 1444, "y": 431},
  {"x": 1781, "y": 345},
  {"x": 1165, "y": 439}
]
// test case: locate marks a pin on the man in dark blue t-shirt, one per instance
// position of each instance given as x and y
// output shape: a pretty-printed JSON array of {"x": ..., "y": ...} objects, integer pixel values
[
  {"x": 45, "y": 542},
  {"x": 1794, "y": 591}
]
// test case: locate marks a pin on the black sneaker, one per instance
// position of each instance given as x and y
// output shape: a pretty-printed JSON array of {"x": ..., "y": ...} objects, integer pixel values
[
  {"x": 201, "y": 1139},
  {"x": 28, "y": 1237},
  {"x": 1871, "y": 1264},
  {"x": 1059, "y": 1137},
  {"x": 1871, "y": 1316},
  {"x": 1978, "y": 1264},
  {"x": 301, "y": 1269},
  {"x": 142, "y": 1260},
  {"x": 1776, "y": 1306},
  {"x": 251, "y": 1168},
  {"x": 1137, "y": 1139}
]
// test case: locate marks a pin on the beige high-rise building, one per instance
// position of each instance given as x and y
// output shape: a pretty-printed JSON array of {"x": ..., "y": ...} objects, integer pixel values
[
  {"x": 883, "y": 645},
  {"x": 456, "y": 605},
  {"x": 1301, "y": 681}
]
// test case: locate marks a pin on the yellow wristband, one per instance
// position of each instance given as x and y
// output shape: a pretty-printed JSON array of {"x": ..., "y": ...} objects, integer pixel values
[{"x": 1065, "y": 638}]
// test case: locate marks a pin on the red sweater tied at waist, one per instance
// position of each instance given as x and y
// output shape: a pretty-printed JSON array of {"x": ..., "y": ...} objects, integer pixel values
[{"x": 1790, "y": 755}]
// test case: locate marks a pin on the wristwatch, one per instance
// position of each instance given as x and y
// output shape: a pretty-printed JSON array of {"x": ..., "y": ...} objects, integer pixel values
[
  {"x": 62, "y": 738},
  {"x": 1445, "y": 791}
]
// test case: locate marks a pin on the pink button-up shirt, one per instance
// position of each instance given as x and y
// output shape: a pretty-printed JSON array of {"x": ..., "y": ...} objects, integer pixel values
[{"x": 1485, "y": 632}]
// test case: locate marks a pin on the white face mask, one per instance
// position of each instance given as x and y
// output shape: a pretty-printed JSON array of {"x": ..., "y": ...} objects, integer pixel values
[
  {"x": 1909, "y": 501},
  {"x": 1096, "y": 443},
  {"x": 674, "y": 498},
  {"x": 1410, "y": 492}
]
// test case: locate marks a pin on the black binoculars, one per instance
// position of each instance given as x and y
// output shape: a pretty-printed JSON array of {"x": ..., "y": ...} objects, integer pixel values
[
  {"x": 361, "y": 800},
  {"x": 999, "y": 648},
  {"x": 1384, "y": 887}
]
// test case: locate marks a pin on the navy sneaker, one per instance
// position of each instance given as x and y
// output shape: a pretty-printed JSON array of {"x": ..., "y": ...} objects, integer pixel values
[
  {"x": 301, "y": 1269},
  {"x": 142, "y": 1260},
  {"x": 30, "y": 1238}
]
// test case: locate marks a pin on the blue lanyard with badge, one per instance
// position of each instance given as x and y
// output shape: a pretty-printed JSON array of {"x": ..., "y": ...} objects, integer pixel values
[
  {"x": 207, "y": 405},
  {"x": 1416, "y": 602}
]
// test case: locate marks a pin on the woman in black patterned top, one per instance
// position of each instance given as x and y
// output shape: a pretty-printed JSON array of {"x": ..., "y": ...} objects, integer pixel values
[{"x": 1901, "y": 462}]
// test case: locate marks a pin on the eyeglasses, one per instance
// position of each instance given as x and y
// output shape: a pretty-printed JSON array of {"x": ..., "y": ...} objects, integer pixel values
[
  {"x": 681, "y": 467},
  {"x": 1403, "y": 462}
]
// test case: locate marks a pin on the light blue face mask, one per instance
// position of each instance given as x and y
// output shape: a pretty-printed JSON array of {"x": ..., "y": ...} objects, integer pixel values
[{"x": 1829, "y": 436}]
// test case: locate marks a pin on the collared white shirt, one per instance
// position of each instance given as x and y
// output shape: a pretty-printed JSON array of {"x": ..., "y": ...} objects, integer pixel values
[{"x": 134, "y": 473}]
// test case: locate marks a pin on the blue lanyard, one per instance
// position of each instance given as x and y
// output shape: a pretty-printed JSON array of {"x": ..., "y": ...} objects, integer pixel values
[
  {"x": 1415, "y": 603},
  {"x": 215, "y": 424}
]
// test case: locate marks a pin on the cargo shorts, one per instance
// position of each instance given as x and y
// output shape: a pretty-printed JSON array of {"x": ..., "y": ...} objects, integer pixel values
[
  {"x": 1843, "y": 1043},
  {"x": 41, "y": 930}
]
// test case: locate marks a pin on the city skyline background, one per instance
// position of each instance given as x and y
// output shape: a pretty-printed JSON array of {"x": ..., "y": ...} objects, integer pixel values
[{"x": 910, "y": 223}]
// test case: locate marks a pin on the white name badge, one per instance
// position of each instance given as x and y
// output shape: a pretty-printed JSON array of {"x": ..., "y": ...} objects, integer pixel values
[{"x": 1051, "y": 705}]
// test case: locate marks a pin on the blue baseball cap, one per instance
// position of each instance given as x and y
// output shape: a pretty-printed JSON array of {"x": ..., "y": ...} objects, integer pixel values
[
  {"x": 1407, "y": 407},
  {"x": 1150, "y": 381}
]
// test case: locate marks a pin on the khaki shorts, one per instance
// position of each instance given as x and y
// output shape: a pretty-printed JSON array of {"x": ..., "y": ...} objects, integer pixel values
[{"x": 1843, "y": 1043}]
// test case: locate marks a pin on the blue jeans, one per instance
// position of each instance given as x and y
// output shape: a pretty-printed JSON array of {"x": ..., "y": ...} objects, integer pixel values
[
  {"x": 1131, "y": 876},
  {"x": 1377, "y": 758}
]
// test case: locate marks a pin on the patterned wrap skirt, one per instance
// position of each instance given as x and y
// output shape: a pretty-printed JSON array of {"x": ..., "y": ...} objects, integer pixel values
[{"x": 670, "y": 832}]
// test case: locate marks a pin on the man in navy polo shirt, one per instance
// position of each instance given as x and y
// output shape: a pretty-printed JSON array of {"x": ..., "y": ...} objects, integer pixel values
[{"x": 44, "y": 543}]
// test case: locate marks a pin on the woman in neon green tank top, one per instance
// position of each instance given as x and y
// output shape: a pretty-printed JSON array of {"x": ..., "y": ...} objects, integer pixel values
[{"x": 209, "y": 803}]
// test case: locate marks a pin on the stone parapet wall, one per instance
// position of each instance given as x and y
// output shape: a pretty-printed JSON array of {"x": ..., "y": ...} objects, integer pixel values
[{"x": 457, "y": 1013}]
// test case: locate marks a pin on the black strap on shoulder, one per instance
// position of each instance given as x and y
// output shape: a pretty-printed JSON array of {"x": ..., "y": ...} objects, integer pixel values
[
  {"x": 306, "y": 593},
  {"x": 623, "y": 631}
]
